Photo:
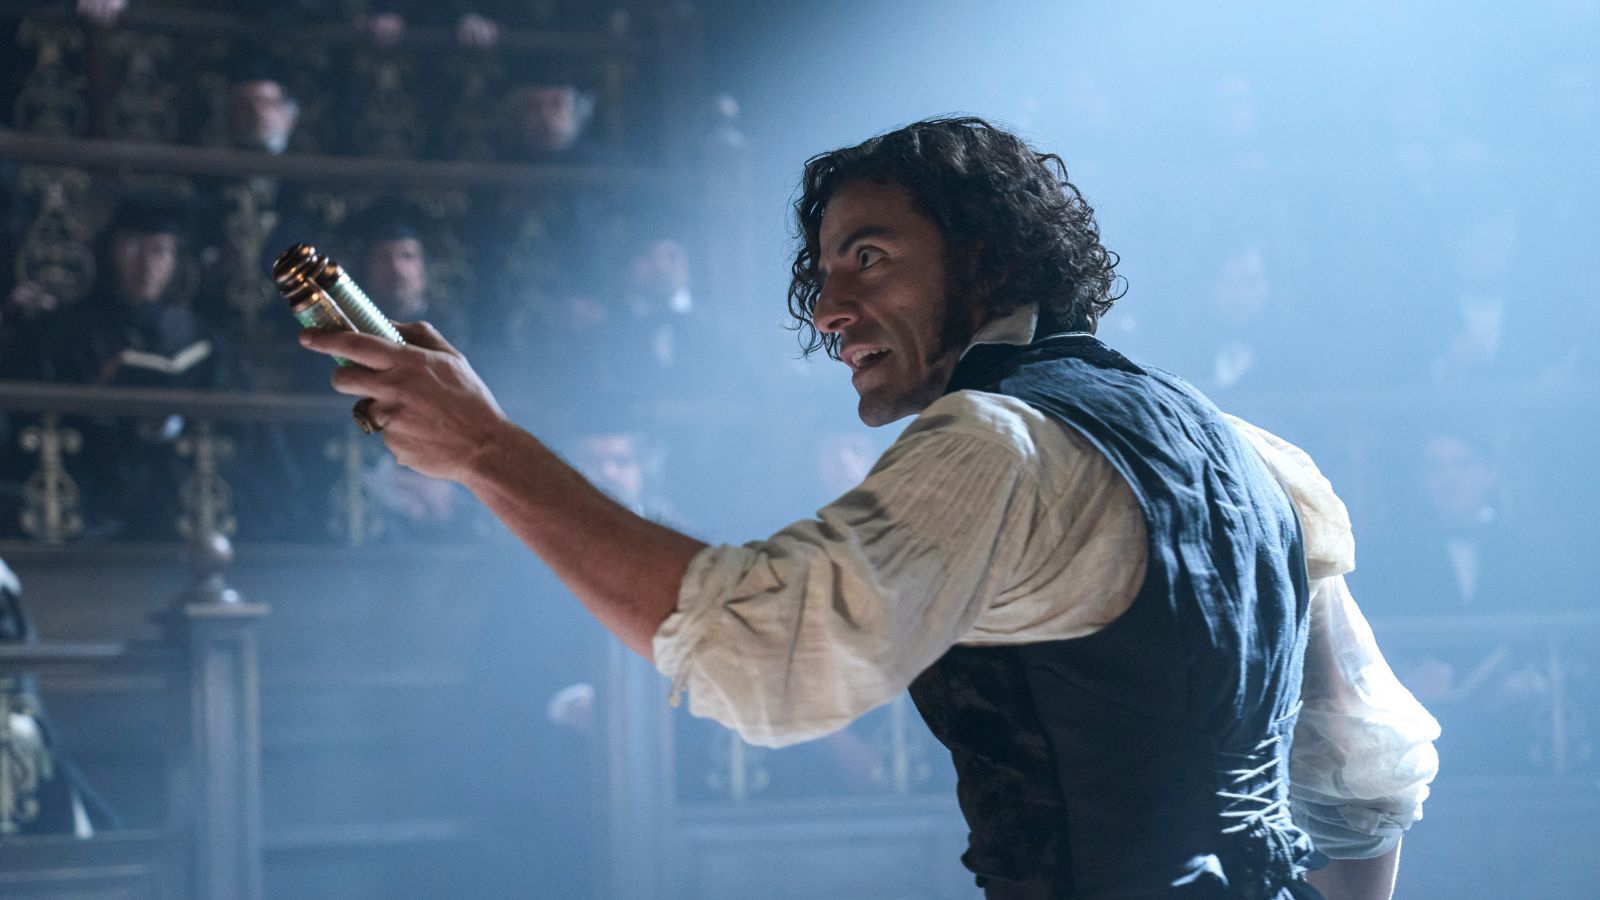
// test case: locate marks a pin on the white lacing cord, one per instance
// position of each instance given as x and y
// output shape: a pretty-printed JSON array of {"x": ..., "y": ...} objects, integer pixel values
[{"x": 1262, "y": 805}]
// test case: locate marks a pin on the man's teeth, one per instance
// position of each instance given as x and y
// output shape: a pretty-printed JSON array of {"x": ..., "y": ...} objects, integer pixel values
[{"x": 859, "y": 356}]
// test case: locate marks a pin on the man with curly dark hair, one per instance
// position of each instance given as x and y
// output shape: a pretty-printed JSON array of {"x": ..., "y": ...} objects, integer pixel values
[
  {"x": 1023, "y": 231},
  {"x": 1109, "y": 600},
  {"x": 1012, "y": 233}
]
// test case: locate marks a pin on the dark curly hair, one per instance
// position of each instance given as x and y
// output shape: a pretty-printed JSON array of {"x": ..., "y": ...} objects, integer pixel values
[{"x": 1031, "y": 233}]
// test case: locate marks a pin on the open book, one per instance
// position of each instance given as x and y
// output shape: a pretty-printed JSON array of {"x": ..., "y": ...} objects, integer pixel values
[{"x": 176, "y": 364}]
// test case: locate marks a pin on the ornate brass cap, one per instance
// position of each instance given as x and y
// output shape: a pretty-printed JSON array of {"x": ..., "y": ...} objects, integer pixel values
[{"x": 299, "y": 261}]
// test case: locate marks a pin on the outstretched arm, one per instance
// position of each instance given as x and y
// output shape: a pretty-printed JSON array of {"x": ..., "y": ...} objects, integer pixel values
[
  {"x": 1358, "y": 879},
  {"x": 440, "y": 419}
]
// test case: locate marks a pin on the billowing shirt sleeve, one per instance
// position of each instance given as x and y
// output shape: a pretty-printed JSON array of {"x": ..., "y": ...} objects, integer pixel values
[
  {"x": 1363, "y": 752},
  {"x": 793, "y": 637}
]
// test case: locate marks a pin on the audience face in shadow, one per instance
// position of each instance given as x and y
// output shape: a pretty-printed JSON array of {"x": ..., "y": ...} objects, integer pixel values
[
  {"x": 397, "y": 277},
  {"x": 659, "y": 275},
  {"x": 144, "y": 265},
  {"x": 261, "y": 115},
  {"x": 1459, "y": 481},
  {"x": 549, "y": 119},
  {"x": 616, "y": 464}
]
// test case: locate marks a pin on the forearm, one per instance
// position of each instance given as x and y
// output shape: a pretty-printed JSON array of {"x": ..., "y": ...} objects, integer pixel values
[
  {"x": 1358, "y": 879},
  {"x": 624, "y": 568}
]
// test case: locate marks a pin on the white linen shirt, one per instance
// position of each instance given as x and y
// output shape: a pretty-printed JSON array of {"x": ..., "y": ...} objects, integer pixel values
[{"x": 988, "y": 523}]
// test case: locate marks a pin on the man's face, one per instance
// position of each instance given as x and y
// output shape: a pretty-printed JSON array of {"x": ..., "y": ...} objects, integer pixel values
[
  {"x": 397, "y": 277},
  {"x": 1460, "y": 482},
  {"x": 549, "y": 117},
  {"x": 884, "y": 294},
  {"x": 144, "y": 263},
  {"x": 261, "y": 116},
  {"x": 660, "y": 269}
]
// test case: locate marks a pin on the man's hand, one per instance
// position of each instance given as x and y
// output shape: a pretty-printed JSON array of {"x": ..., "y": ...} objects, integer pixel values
[{"x": 437, "y": 415}]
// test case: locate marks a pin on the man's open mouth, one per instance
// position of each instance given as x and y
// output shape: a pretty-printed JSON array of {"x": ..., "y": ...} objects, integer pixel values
[{"x": 861, "y": 360}]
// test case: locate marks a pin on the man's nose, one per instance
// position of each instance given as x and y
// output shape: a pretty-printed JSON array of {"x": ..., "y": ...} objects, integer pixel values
[{"x": 834, "y": 312}]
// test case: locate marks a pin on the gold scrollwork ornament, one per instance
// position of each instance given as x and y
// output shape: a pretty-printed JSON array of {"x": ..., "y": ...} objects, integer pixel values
[
  {"x": 55, "y": 252},
  {"x": 50, "y": 495},
  {"x": 472, "y": 130},
  {"x": 354, "y": 513},
  {"x": 389, "y": 122},
  {"x": 143, "y": 105},
  {"x": 53, "y": 98},
  {"x": 250, "y": 220},
  {"x": 204, "y": 497}
]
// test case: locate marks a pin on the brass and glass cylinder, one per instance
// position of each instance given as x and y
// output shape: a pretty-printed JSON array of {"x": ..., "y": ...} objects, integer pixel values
[{"x": 322, "y": 295}]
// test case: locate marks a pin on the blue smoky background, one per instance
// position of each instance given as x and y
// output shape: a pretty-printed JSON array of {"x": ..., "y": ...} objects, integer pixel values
[{"x": 240, "y": 646}]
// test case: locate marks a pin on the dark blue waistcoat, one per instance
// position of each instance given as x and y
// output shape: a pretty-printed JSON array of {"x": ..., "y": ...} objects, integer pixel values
[{"x": 1149, "y": 759}]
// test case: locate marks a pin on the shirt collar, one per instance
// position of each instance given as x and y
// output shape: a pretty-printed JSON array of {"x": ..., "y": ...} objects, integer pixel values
[{"x": 1012, "y": 328}]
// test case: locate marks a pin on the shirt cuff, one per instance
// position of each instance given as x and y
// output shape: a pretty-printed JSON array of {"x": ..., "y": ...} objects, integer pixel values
[
  {"x": 1335, "y": 837},
  {"x": 712, "y": 574}
]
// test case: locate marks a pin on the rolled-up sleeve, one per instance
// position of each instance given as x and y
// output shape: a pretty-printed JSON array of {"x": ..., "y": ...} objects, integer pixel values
[
  {"x": 1363, "y": 753},
  {"x": 793, "y": 637},
  {"x": 1363, "y": 749}
]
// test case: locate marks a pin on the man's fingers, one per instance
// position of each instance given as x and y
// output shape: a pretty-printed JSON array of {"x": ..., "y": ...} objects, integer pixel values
[
  {"x": 424, "y": 335},
  {"x": 360, "y": 383},
  {"x": 361, "y": 349}
]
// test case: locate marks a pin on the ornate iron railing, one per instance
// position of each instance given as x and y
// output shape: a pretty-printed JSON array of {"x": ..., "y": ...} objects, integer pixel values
[{"x": 54, "y": 439}]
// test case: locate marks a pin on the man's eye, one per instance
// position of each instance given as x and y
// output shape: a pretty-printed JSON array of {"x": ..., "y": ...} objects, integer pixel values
[{"x": 868, "y": 255}]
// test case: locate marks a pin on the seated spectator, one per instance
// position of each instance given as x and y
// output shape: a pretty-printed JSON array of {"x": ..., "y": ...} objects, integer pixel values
[
  {"x": 389, "y": 258},
  {"x": 262, "y": 112},
  {"x": 106, "y": 13},
  {"x": 659, "y": 326},
  {"x": 1467, "y": 554},
  {"x": 396, "y": 273},
  {"x": 549, "y": 120},
  {"x": 248, "y": 221},
  {"x": 1461, "y": 484},
  {"x": 627, "y": 465},
  {"x": 1458, "y": 546},
  {"x": 391, "y": 266},
  {"x": 480, "y": 24},
  {"x": 1235, "y": 336},
  {"x": 136, "y": 328},
  {"x": 631, "y": 338},
  {"x": 386, "y": 25}
]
